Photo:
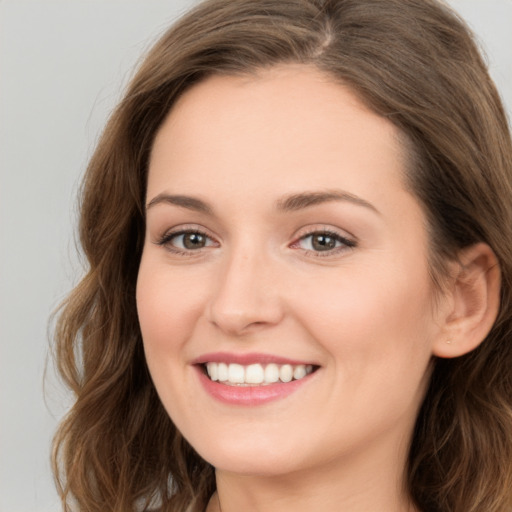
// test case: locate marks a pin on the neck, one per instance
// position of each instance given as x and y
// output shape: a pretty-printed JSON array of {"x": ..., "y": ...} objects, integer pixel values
[{"x": 354, "y": 487}]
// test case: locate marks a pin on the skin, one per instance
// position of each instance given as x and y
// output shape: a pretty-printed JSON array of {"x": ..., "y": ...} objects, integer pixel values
[{"x": 365, "y": 314}]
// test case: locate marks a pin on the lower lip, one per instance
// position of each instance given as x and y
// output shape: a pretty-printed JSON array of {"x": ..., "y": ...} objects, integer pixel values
[{"x": 250, "y": 395}]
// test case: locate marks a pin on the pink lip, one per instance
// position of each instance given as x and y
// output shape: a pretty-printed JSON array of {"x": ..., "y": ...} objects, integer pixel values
[
  {"x": 246, "y": 359},
  {"x": 249, "y": 395}
]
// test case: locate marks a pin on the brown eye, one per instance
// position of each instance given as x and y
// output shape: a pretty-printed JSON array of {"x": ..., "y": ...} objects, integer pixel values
[
  {"x": 193, "y": 240},
  {"x": 184, "y": 241},
  {"x": 323, "y": 242}
]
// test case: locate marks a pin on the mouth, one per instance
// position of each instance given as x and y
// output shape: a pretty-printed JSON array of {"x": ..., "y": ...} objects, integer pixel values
[
  {"x": 256, "y": 374},
  {"x": 252, "y": 379}
]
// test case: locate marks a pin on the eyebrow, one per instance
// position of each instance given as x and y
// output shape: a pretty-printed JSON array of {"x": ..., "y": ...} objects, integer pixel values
[
  {"x": 289, "y": 203},
  {"x": 188, "y": 202},
  {"x": 303, "y": 200}
]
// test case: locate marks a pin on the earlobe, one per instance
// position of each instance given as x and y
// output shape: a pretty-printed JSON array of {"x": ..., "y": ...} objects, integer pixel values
[{"x": 474, "y": 302}]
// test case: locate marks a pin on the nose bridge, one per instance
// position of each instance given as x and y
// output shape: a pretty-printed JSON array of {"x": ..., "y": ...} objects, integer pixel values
[{"x": 247, "y": 293}]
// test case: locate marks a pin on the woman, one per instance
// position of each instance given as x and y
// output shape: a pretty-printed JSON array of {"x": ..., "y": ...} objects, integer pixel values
[{"x": 299, "y": 227}]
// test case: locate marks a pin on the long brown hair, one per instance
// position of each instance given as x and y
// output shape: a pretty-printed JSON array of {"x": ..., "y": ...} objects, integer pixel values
[{"x": 412, "y": 61}]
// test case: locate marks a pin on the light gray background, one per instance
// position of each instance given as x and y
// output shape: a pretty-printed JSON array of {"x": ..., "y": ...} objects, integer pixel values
[{"x": 62, "y": 65}]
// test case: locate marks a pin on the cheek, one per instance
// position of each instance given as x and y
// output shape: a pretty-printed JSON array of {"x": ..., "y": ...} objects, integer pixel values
[
  {"x": 370, "y": 315},
  {"x": 168, "y": 306},
  {"x": 168, "y": 303},
  {"x": 376, "y": 329}
]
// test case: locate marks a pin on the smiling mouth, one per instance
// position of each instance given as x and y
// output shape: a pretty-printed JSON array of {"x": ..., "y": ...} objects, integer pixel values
[{"x": 256, "y": 374}]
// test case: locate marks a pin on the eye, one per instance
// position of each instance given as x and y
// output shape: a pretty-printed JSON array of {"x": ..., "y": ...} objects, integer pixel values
[
  {"x": 327, "y": 242},
  {"x": 189, "y": 241},
  {"x": 184, "y": 241}
]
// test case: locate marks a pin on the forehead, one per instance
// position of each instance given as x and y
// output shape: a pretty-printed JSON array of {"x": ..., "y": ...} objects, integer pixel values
[{"x": 289, "y": 126}]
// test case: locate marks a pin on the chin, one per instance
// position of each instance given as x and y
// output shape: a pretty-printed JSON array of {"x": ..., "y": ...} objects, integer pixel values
[
  {"x": 246, "y": 456},
  {"x": 258, "y": 466}
]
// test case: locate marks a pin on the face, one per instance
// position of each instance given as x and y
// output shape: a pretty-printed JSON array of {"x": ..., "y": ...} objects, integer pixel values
[{"x": 284, "y": 254}]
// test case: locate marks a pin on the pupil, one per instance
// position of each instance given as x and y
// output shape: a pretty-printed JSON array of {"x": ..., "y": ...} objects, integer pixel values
[
  {"x": 323, "y": 242},
  {"x": 193, "y": 241}
]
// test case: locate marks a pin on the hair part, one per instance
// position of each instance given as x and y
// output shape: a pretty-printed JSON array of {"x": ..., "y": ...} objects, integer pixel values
[{"x": 413, "y": 62}]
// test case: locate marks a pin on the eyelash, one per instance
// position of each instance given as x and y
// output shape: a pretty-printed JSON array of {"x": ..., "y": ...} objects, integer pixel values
[
  {"x": 166, "y": 239},
  {"x": 346, "y": 243}
]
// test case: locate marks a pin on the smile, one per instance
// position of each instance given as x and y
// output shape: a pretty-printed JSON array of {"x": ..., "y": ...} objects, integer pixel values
[
  {"x": 256, "y": 374},
  {"x": 252, "y": 379}
]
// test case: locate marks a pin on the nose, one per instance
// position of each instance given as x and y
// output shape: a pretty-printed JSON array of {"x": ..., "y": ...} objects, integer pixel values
[{"x": 247, "y": 295}]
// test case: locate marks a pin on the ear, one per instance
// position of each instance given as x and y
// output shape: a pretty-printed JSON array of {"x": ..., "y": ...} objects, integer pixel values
[{"x": 473, "y": 302}]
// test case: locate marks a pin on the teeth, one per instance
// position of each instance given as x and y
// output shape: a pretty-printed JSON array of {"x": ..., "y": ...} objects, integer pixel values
[
  {"x": 236, "y": 373},
  {"x": 213, "y": 371},
  {"x": 299, "y": 372},
  {"x": 286, "y": 373},
  {"x": 222, "y": 372},
  {"x": 253, "y": 374},
  {"x": 271, "y": 373}
]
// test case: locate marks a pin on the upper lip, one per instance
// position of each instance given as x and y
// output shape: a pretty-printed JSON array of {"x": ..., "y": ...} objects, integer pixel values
[{"x": 246, "y": 359}]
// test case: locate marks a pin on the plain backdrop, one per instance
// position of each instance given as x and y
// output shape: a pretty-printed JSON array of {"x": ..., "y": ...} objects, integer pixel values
[{"x": 63, "y": 64}]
